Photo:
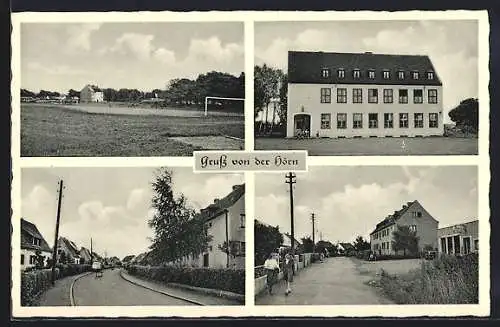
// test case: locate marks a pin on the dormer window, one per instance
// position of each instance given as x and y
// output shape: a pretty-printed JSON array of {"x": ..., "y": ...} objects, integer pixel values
[
  {"x": 242, "y": 220},
  {"x": 325, "y": 72},
  {"x": 430, "y": 75},
  {"x": 415, "y": 75},
  {"x": 371, "y": 74},
  {"x": 387, "y": 75},
  {"x": 340, "y": 73},
  {"x": 401, "y": 74},
  {"x": 356, "y": 73},
  {"x": 36, "y": 241}
]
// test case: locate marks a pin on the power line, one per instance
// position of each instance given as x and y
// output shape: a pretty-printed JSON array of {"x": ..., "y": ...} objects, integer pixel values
[
  {"x": 290, "y": 180},
  {"x": 58, "y": 218}
]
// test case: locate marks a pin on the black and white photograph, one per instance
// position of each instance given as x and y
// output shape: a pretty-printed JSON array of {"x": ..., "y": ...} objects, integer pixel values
[
  {"x": 367, "y": 235},
  {"x": 131, "y": 237},
  {"x": 388, "y": 87},
  {"x": 131, "y": 89}
]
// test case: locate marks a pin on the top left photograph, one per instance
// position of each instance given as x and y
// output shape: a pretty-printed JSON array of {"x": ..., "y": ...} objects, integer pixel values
[{"x": 130, "y": 89}]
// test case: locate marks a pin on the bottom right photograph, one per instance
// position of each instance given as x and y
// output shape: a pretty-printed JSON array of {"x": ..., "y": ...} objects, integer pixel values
[{"x": 360, "y": 235}]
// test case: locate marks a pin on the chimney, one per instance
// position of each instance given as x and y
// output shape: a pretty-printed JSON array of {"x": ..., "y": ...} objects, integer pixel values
[
  {"x": 368, "y": 52},
  {"x": 216, "y": 201},
  {"x": 404, "y": 206}
]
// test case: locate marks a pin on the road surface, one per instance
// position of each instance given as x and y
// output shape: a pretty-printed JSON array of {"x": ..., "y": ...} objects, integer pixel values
[
  {"x": 112, "y": 290},
  {"x": 336, "y": 281}
]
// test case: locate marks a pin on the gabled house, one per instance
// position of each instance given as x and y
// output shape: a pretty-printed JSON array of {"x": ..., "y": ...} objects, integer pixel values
[
  {"x": 287, "y": 242},
  {"x": 363, "y": 95},
  {"x": 459, "y": 239},
  {"x": 413, "y": 215},
  {"x": 91, "y": 93},
  {"x": 128, "y": 259},
  {"x": 85, "y": 255},
  {"x": 33, "y": 244},
  {"x": 346, "y": 249},
  {"x": 70, "y": 250}
]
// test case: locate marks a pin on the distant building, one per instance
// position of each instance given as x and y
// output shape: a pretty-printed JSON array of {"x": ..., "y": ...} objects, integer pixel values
[
  {"x": 85, "y": 255},
  {"x": 32, "y": 242},
  {"x": 459, "y": 239},
  {"x": 413, "y": 215},
  {"x": 128, "y": 258},
  {"x": 345, "y": 248},
  {"x": 70, "y": 250},
  {"x": 91, "y": 93},
  {"x": 363, "y": 95},
  {"x": 287, "y": 241}
]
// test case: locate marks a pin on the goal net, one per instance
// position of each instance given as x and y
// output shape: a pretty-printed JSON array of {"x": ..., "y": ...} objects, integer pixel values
[{"x": 224, "y": 106}]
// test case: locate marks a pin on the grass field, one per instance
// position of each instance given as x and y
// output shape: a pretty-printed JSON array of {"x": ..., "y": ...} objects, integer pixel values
[
  {"x": 48, "y": 130},
  {"x": 374, "y": 146}
]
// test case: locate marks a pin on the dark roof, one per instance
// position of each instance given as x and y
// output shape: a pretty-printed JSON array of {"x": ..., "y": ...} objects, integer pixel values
[
  {"x": 70, "y": 246},
  {"x": 128, "y": 258},
  {"x": 391, "y": 219},
  {"x": 306, "y": 67},
  {"x": 28, "y": 231},
  {"x": 218, "y": 207},
  {"x": 347, "y": 246},
  {"x": 290, "y": 237}
]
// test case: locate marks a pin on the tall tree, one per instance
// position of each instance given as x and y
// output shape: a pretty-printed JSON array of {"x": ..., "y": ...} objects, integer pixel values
[
  {"x": 266, "y": 81},
  {"x": 73, "y": 93},
  {"x": 405, "y": 239},
  {"x": 360, "y": 244},
  {"x": 466, "y": 114},
  {"x": 283, "y": 94},
  {"x": 307, "y": 244},
  {"x": 266, "y": 239}
]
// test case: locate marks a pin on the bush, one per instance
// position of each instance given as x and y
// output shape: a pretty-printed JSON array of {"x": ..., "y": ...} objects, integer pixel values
[
  {"x": 363, "y": 255},
  {"x": 221, "y": 279},
  {"x": 315, "y": 257},
  {"x": 445, "y": 280}
]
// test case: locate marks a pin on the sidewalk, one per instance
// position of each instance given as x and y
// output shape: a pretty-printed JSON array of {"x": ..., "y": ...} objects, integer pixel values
[
  {"x": 182, "y": 293},
  {"x": 59, "y": 294}
]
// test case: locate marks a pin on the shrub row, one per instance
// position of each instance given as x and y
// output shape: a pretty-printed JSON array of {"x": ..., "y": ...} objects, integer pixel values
[
  {"x": 34, "y": 282},
  {"x": 444, "y": 280},
  {"x": 232, "y": 280}
]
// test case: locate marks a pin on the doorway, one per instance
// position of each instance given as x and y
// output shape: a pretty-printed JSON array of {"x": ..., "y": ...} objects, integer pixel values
[
  {"x": 205, "y": 260},
  {"x": 302, "y": 123},
  {"x": 466, "y": 245}
]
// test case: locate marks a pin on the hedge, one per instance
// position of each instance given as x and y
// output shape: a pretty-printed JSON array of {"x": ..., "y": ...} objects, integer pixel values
[
  {"x": 232, "y": 280},
  {"x": 34, "y": 282}
]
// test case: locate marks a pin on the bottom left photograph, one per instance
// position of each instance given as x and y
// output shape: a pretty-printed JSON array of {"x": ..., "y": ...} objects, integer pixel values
[{"x": 131, "y": 237}]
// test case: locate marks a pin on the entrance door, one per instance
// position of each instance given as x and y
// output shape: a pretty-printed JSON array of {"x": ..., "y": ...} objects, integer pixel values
[
  {"x": 205, "y": 260},
  {"x": 466, "y": 245},
  {"x": 302, "y": 122}
]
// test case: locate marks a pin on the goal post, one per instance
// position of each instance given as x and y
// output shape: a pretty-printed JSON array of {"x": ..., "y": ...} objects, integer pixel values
[{"x": 218, "y": 98}]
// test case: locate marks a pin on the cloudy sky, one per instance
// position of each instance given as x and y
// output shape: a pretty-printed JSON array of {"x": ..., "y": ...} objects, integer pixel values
[
  {"x": 111, "y": 205},
  {"x": 59, "y": 56},
  {"x": 451, "y": 45},
  {"x": 350, "y": 200}
]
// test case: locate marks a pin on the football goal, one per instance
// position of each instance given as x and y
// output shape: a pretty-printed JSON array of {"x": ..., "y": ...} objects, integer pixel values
[{"x": 221, "y": 103}]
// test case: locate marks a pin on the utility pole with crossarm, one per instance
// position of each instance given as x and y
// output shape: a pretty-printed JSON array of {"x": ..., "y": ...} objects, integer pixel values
[{"x": 290, "y": 180}]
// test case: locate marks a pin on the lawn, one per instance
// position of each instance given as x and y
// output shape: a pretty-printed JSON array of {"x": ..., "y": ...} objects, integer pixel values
[
  {"x": 56, "y": 131},
  {"x": 374, "y": 146},
  {"x": 394, "y": 267}
]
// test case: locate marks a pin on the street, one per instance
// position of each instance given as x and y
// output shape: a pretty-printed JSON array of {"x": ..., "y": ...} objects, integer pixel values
[
  {"x": 336, "y": 281},
  {"x": 112, "y": 290}
]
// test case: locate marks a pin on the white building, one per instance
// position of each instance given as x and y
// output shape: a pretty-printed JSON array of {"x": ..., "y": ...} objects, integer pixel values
[
  {"x": 363, "y": 95},
  {"x": 91, "y": 93},
  {"x": 459, "y": 239},
  {"x": 32, "y": 242}
]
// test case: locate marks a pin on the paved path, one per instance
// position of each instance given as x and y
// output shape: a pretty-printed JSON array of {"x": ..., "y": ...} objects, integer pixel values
[
  {"x": 112, "y": 290},
  {"x": 59, "y": 294},
  {"x": 336, "y": 281}
]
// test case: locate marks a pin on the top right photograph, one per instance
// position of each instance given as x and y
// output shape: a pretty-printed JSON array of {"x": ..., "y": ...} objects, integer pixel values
[{"x": 351, "y": 88}]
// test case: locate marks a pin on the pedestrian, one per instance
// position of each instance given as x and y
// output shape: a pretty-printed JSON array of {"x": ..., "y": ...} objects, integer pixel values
[
  {"x": 271, "y": 265},
  {"x": 288, "y": 266}
]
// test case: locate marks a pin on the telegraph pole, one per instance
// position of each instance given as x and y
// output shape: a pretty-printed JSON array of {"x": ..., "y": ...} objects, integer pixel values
[
  {"x": 290, "y": 179},
  {"x": 54, "y": 251},
  {"x": 313, "y": 218},
  {"x": 91, "y": 253}
]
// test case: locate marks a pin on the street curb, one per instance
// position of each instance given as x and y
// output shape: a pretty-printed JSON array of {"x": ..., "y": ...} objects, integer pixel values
[
  {"x": 71, "y": 294},
  {"x": 161, "y": 292},
  {"x": 219, "y": 293},
  {"x": 233, "y": 137}
]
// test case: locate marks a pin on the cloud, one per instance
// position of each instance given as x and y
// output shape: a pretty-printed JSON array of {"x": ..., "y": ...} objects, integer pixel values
[
  {"x": 79, "y": 37},
  {"x": 60, "y": 70},
  {"x": 164, "y": 56},
  {"x": 140, "y": 45},
  {"x": 213, "y": 49}
]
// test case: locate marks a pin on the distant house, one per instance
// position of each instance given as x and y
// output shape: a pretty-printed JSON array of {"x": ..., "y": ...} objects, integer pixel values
[
  {"x": 128, "y": 259},
  {"x": 346, "y": 249},
  {"x": 70, "y": 250},
  {"x": 413, "y": 215},
  {"x": 287, "y": 241},
  {"x": 32, "y": 242},
  {"x": 91, "y": 93},
  {"x": 137, "y": 260},
  {"x": 459, "y": 239},
  {"x": 85, "y": 255}
]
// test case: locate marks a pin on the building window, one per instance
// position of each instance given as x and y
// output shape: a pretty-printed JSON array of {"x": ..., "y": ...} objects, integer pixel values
[
  {"x": 242, "y": 220},
  {"x": 32, "y": 259},
  {"x": 415, "y": 75},
  {"x": 341, "y": 95},
  {"x": 413, "y": 228},
  {"x": 383, "y": 246},
  {"x": 371, "y": 74},
  {"x": 417, "y": 214},
  {"x": 357, "y": 120},
  {"x": 22, "y": 259},
  {"x": 325, "y": 72},
  {"x": 388, "y": 120},
  {"x": 430, "y": 75},
  {"x": 417, "y": 96},
  {"x": 372, "y": 96},
  {"x": 356, "y": 73},
  {"x": 403, "y": 96},
  {"x": 325, "y": 121},
  {"x": 403, "y": 120},
  {"x": 341, "y": 73},
  {"x": 387, "y": 75},
  {"x": 388, "y": 96},
  {"x": 210, "y": 248},
  {"x": 342, "y": 121},
  {"x": 357, "y": 95},
  {"x": 401, "y": 74},
  {"x": 443, "y": 244},
  {"x": 326, "y": 95},
  {"x": 432, "y": 96},
  {"x": 373, "y": 120},
  {"x": 433, "y": 120},
  {"x": 476, "y": 245},
  {"x": 419, "y": 120}
]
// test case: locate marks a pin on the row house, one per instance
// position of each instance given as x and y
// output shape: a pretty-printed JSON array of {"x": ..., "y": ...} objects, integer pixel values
[
  {"x": 363, "y": 95},
  {"x": 33, "y": 244},
  {"x": 70, "y": 250},
  {"x": 460, "y": 239}
]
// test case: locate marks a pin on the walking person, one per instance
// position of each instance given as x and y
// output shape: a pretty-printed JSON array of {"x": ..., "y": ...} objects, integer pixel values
[
  {"x": 272, "y": 269},
  {"x": 288, "y": 267}
]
